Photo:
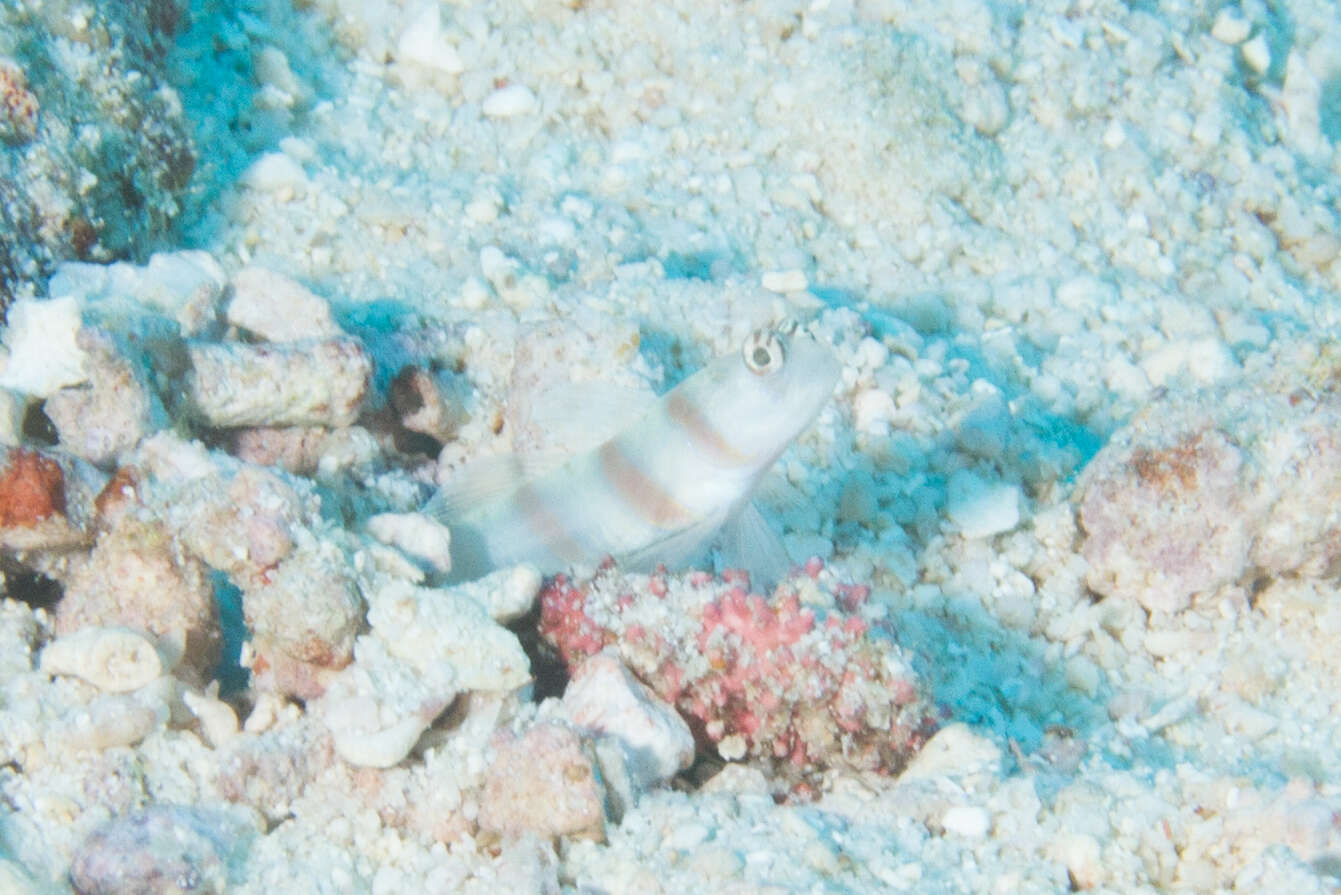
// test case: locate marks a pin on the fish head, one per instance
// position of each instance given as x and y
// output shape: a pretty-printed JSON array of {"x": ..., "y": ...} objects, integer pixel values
[{"x": 769, "y": 392}]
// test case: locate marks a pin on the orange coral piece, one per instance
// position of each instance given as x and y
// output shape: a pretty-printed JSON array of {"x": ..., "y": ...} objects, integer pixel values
[{"x": 32, "y": 488}]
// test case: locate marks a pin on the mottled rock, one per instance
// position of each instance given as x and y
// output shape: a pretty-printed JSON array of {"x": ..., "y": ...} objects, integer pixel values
[
  {"x": 162, "y": 850},
  {"x": 543, "y": 782},
  {"x": 797, "y": 688},
  {"x": 425, "y": 405},
  {"x": 425, "y": 627},
  {"x": 244, "y": 524},
  {"x": 308, "y": 609},
  {"x": 1203, "y": 491},
  {"x": 269, "y": 770},
  {"x": 107, "y": 417},
  {"x": 103, "y": 167},
  {"x": 315, "y": 383},
  {"x": 138, "y": 576},
  {"x": 1166, "y": 517},
  {"x": 295, "y": 449}
]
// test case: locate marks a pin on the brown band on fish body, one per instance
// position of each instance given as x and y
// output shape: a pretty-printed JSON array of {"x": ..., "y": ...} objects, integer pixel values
[
  {"x": 556, "y": 535},
  {"x": 701, "y": 430},
  {"x": 651, "y": 500}
]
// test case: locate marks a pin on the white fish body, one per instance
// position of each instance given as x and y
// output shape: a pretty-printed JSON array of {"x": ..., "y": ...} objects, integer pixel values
[{"x": 660, "y": 489}]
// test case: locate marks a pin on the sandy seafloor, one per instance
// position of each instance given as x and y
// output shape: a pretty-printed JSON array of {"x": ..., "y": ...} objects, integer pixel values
[{"x": 1080, "y": 264}]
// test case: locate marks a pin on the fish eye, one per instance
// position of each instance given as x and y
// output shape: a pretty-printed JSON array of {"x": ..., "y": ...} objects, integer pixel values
[{"x": 763, "y": 352}]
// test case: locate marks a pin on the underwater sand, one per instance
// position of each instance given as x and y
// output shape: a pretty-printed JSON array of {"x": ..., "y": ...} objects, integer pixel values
[{"x": 1081, "y": 265}]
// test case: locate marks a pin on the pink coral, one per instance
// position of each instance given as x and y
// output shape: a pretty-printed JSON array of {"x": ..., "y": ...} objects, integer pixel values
[
  {"x": 18, "y": 105},
  {"x": 801, "y": 689}
]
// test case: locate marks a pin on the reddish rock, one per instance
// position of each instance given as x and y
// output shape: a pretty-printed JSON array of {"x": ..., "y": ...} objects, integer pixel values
[
  {"x": 760, "y": 677},
  {"x": 543, "y": 782},
  {"x": 32, "y": 488}
]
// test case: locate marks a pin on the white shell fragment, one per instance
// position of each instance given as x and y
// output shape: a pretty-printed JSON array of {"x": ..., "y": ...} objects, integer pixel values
[
  {"x": 217, "y": 719},
  {"x": 784, "y": 281},
  {"x": 113, "y": 659},
  {"x": 294, "y": 384}
]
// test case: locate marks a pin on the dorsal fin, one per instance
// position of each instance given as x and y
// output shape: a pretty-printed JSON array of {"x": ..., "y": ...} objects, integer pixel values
[{"x": 573, "y": 417}]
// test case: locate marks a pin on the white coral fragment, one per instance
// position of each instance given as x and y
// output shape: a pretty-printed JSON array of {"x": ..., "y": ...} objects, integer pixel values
[
  {"x": 424, "y": 540},
  {"x": 113, "y": 659},
  {"x": 43, "y": 354}
]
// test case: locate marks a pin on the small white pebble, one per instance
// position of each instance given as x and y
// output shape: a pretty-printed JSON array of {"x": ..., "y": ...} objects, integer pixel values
[
  {"x": 969, "y": 821},
  {"x": 422, "y": 42},
  {"x": 1230, "y": 26},
  {"x": 981, "y": 508},
  {"x": 1114, "y": 135},
  {"x": 783, "y": 281},
  {"x": 1257, "y": 55},
  {"x": 732, "y": 747},
  {"x": 274, "y": 172},
  {"x": 217, "y": 719},
  {"x": 509, "y": 101}
]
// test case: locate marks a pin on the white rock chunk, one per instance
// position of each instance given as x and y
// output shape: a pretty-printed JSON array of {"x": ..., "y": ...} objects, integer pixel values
[
  {"x": 113, "y": 659},
  {"x": 377, "y": 708},
  {"x": 1257, "y": 54},
  {"x": 185, "y": 286},
  {"x": 426, "y": 627},
  {"x": 217, "y": 718},
  {"x": 606, "y": 698},
  {"x": 277, "y": 308},
  {"x": 968, "y": 821},
  {"x": 43, "y": 354},
  {"x": 954, "y": 750},
  {"x": 506, "y": 594},
  {"x": 1230, "y": 26},
  {"x": 275, "y": 172}
]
